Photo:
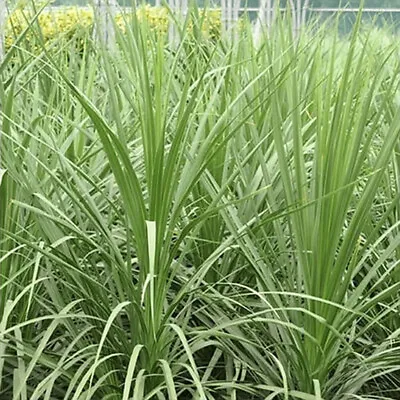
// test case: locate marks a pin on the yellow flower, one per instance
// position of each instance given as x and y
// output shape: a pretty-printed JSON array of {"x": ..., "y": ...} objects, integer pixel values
[{"x": 77, "y": 22}]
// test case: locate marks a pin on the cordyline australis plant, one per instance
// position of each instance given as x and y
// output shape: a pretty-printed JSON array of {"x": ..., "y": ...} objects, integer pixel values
[{"x": 208, "y": 221}]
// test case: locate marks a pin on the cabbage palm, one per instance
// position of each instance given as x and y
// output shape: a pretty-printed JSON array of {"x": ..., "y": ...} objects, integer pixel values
[{"x": 205, "y": 220}]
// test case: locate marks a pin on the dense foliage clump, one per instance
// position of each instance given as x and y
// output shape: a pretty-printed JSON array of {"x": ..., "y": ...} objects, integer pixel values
[{"x": 202, "y": 218}]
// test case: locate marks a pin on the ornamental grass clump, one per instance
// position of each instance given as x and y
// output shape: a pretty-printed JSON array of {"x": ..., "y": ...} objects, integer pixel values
[{"x": 213, "y": 219}]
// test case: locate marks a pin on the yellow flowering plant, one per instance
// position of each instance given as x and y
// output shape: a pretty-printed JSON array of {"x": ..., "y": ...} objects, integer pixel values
[{"x": 77, "y": 22}]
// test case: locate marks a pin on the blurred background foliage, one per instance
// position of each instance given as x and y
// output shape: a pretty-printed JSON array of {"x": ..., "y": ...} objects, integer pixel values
[
  {"x": 254, "y": 3},
  {"x": 346, "y": 20}
]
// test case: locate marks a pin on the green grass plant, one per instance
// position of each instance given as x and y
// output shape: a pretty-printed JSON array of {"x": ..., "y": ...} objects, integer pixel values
[{"x": 203, "y": 219}]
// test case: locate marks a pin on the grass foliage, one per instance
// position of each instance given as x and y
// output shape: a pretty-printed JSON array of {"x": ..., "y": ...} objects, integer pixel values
[{"x": 202, "y": 220}]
